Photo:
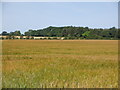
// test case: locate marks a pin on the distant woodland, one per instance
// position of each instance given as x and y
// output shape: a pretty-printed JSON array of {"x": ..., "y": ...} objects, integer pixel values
[{"x": 70, "y": 32}]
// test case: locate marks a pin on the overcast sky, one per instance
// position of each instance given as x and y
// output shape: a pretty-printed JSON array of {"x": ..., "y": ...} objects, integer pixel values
[{"x": 36, "y": 15}]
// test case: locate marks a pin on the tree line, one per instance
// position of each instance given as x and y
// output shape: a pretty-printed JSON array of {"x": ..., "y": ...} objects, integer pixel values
[{"x": 70, "y": 32}]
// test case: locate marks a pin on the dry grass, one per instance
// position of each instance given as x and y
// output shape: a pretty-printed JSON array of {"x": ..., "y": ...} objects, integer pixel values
[{"x": 60, "y": 63}]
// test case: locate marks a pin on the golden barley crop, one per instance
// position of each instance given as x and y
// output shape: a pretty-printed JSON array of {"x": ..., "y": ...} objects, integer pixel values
[{"x": 60, "y": 63}]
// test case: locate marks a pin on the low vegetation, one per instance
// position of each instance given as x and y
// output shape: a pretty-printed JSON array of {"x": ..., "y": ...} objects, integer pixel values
[{"x": 60, "y": 64}]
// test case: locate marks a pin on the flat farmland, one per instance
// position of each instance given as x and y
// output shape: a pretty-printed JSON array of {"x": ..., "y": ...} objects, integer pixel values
[{"x": 60, "y": 64}]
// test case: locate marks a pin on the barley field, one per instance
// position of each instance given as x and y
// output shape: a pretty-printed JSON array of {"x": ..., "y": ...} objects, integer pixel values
[{"x": 60, "y": 64}]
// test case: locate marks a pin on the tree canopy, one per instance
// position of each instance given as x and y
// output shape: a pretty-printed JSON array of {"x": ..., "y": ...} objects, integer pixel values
[{"x": 71, "y": 32}]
